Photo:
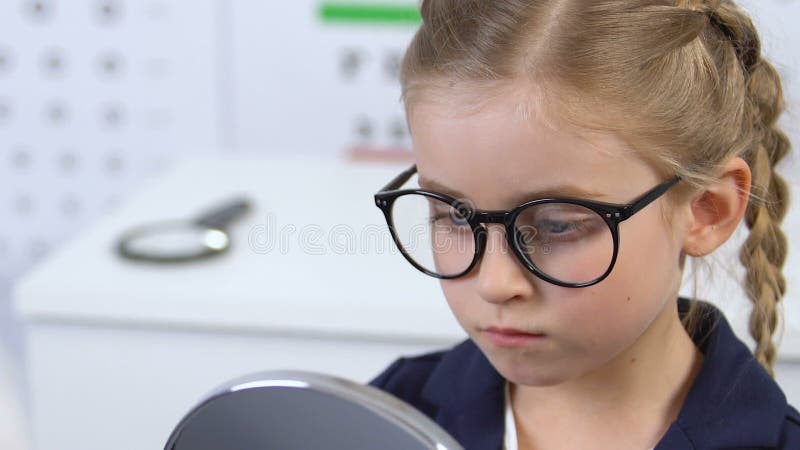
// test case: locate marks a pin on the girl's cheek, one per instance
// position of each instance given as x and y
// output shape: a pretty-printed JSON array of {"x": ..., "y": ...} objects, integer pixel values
[{"x": 458, "y": 297}]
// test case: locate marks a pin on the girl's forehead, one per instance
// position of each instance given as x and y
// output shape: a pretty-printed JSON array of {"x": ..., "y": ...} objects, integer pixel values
[
  {"x": 505, "y": 139},
  {"x": 508, "y": 147},
  {"x": 517, "y": 110}
]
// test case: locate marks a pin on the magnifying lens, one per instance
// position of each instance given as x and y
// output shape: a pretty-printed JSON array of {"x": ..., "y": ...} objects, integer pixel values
[
  {"x": 287, "y": 410},
  {"x": 180, "y": 241}
]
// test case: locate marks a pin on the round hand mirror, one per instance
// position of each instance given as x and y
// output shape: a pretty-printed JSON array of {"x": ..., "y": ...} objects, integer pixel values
[{"x": 284, "y": 410}]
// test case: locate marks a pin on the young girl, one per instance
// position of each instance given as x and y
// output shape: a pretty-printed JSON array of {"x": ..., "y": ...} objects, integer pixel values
[{"x": 570, "y": 155}]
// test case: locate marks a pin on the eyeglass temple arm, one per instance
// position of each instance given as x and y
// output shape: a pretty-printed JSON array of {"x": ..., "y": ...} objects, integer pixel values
[
  {"x": 400, "y": 179},
  {"x": 648, "y": 197}
]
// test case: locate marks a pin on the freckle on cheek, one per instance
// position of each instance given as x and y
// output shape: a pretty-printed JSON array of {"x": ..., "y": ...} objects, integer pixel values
[
  {"x": 629, "y": 299},
  {"x": 633, "y": 360}
]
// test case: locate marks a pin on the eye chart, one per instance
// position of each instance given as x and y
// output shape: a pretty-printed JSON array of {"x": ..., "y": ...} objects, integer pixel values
[{"x": 94, "y": 97}]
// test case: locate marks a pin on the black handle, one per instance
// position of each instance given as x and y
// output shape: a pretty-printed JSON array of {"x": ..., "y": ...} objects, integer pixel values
[{"x": 221, "y": 216}]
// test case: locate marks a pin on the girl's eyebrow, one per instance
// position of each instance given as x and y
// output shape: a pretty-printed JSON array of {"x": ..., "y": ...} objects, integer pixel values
[{"x": 555, "y": 191}]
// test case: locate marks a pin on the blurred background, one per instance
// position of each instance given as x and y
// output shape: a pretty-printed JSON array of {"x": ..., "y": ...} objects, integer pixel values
[{"x": 115, "y": 113}]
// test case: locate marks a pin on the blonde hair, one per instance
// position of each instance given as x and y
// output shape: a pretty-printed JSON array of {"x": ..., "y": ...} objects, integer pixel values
[{"x": 683, "y": 79}]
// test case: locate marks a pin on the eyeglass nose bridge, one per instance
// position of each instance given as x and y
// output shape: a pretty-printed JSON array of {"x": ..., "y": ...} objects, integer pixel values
[
  {"x": 501, "y": 217},
  {"x": 505, "y": 218},
  {"x": 480, "y": 218}
]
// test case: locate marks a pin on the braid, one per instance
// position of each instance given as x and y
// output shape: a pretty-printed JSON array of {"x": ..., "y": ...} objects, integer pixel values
[{"x": 764, "y": 252}]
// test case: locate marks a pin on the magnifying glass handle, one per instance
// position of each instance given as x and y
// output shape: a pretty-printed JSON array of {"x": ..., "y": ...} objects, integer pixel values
[{"x": 222, "y": 216}]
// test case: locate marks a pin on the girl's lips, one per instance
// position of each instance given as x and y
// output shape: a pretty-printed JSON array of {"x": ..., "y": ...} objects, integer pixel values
[
  {"x": 511, "y": 337},
  {"x": 511, "y": 331}
]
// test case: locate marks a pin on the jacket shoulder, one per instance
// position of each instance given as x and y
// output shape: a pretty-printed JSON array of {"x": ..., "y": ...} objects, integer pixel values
[
  {"x": 790, "y": 437},
  {"x": 406, "y": 377}
]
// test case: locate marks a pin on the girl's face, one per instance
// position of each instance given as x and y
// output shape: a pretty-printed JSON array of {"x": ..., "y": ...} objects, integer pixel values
[{"x": 497, "y": 157}]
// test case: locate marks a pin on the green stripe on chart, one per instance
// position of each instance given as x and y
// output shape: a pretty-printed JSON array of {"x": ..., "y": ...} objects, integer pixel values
[{"x": 375, "y": 13}]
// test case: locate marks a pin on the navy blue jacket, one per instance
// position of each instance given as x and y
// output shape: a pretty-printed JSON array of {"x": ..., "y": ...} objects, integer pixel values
[{"x": 732, "y": 404}]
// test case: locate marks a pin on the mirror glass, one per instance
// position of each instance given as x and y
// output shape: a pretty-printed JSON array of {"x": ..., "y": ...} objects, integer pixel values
[
  {"x": 175, "y": 240},
  {"x": 304, "y": 410}
]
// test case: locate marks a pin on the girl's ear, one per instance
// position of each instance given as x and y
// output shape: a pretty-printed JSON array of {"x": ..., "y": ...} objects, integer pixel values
[{"x": 715, "y": 212}]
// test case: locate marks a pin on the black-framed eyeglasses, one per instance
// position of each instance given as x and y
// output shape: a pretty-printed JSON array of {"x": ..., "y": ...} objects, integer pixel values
[{"x": 569, "y": 242}]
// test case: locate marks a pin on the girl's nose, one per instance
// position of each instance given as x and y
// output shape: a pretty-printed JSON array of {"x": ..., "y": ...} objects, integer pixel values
[{"x": 501, "y": 276}]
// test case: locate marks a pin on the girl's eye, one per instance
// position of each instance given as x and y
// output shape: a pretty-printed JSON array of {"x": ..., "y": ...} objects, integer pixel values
[
  {"x": 546, "y": 227},
  {"x": 557, "y": 227},
  {"x": 552, "y": 226},
  {"x": 564, "y": 222},
  {"x": 565, "y": 229},
  {"x": 451, "y": 217}
]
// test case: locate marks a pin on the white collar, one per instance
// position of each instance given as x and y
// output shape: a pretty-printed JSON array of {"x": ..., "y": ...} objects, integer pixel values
[{"x": 510, "y": 439}]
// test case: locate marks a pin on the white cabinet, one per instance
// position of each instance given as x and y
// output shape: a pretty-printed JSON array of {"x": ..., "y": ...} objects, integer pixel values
[{"x": 119, "y": 351}]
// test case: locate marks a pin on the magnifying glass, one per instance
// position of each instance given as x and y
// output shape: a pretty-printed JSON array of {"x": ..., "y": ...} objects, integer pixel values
[{"x": 180, "y": 241}]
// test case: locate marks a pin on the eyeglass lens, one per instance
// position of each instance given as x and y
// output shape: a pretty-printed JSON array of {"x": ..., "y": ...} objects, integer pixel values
[{"x": 567, "y": 242}]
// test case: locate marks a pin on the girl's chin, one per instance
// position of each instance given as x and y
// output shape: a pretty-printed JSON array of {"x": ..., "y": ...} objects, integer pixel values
[
  {"x": 535, "y": 374},
  {"x": 537, "y": 380}
]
